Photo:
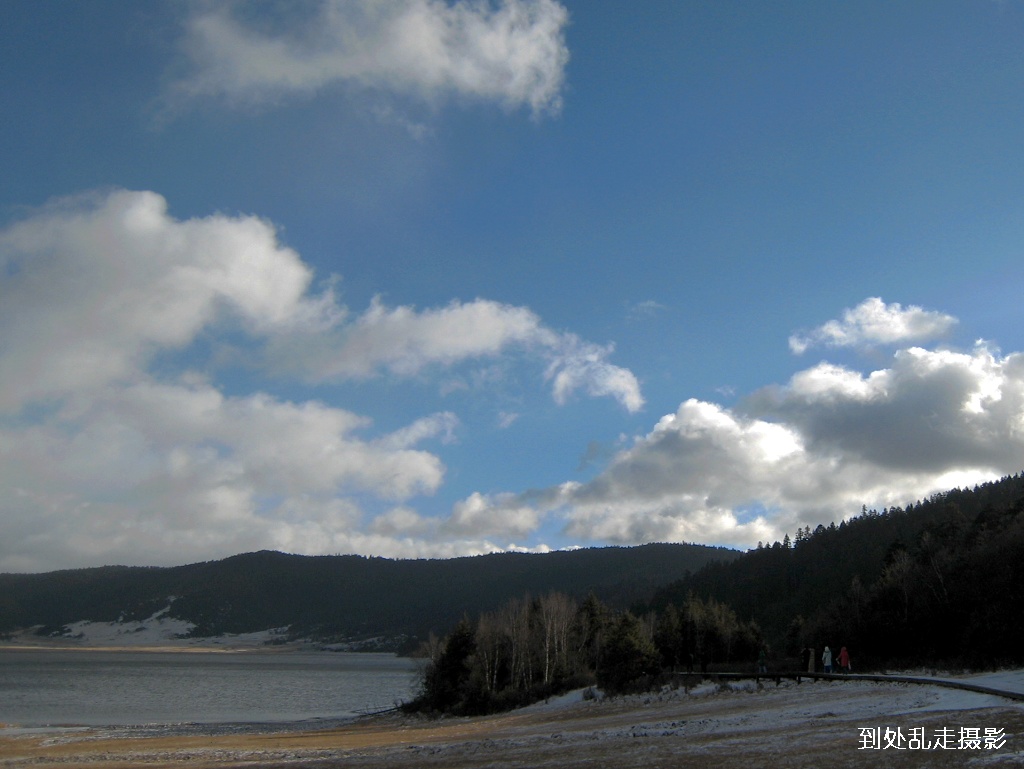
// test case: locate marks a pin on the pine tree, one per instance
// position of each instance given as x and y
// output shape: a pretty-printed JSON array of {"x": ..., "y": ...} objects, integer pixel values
[{"x": 629, "y": 659}]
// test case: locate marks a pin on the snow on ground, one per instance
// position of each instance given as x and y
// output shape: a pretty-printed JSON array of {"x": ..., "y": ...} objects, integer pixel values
[
  {"x": 558, "y": 703},
  {"x": 738, "y": 707},
  {"x": 784, "y": 705},
  {"x": 728, "y": 725},
  {"x": 736, "y": 724},
  {"x": 156, "y": 630},
  {"x": 895, "y": 698},
  {"x": 159, "y": 630},
  {"x": 1007, "y": 680},
  {"x": 259, "y": 638}
]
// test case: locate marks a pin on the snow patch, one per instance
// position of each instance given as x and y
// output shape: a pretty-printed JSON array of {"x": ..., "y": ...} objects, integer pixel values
[
  {"x": 154, "y": 630},
  {"x": 558, "y": 703},
  {"x": 162, "y": 630},
  {"x": 271, "y": 636}
]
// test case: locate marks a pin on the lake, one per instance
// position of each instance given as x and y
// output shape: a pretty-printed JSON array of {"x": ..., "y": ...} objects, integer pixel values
[{"x": 126, "y": 688}]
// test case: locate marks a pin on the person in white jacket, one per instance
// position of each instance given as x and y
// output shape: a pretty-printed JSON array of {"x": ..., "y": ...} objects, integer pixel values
[{"x": 826, "y": 659}]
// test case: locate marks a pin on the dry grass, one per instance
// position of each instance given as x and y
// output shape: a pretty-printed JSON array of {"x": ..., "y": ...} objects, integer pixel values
[{"x": 791, "y": 727}]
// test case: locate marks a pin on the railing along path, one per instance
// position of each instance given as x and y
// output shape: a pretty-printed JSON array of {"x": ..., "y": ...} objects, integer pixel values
[{"x": 798, "y": 675}]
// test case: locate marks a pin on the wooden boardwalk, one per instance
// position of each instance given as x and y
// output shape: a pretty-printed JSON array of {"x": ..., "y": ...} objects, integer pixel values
[{"x": 880, "y": 678}]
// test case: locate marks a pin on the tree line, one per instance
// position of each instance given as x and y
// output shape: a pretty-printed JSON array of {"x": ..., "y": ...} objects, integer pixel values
[
  {"x": 938, "y": 582},
  {"x": 953, "y": 596},
  {"x": 533, "y": 648}
]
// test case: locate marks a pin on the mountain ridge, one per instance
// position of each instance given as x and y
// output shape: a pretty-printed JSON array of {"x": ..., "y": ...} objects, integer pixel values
[{"x": 336, "y": 597}]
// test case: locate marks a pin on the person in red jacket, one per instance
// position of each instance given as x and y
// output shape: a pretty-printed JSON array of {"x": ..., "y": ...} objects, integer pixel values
[{"x": 844, "y": 660}]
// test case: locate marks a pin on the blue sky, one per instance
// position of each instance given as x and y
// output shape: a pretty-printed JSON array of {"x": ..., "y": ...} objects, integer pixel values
[{"x": 416, "y": 278}]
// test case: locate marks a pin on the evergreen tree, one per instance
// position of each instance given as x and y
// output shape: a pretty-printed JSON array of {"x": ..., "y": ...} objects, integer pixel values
[
  {"x": 630, "y": 657},
  {"x": 446, "y": 681}
]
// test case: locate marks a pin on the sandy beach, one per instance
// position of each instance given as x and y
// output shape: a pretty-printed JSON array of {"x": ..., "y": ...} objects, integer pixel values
[{"x": 737, "y": 725}]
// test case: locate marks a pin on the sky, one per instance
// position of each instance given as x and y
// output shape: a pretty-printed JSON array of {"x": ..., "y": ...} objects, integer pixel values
[{"x": 420, "y": 278}]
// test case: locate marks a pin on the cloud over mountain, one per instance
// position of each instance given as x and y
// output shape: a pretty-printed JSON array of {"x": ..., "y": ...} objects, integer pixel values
[
  {"x": 816, "y": 448},
  {"x": 110, "y": 447}
]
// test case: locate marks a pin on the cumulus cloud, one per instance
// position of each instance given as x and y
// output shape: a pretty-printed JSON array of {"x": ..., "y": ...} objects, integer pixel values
[
  {"x": 405, "y": 341},
  {"x": 443, "y": 424},
  {"x": 811, "y": 451},
  {"x": 111, "y": 453},
  {"x": 483, "y": 516},
  {"x": 513, "y": 52},
  {"x": 95, "y": 285},
  {"x": 931, "y": 411},
  {"x": 875, "y": 322},
  {"x": 581, "y": 365},
  {"x": 156, "y": 470}
]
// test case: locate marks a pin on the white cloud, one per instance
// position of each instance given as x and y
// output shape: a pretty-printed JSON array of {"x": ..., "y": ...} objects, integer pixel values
[
  {"x": 811, "y": 451},
  {"x": 576, "y": 364},
  {"x": 931, "y": 411},
  {"x": 94, "y": 286},
  {"x": 108, "y": 457},
  {"x": 875, "y": 322},
  {"x": 483, "y": 516},
  {"x": 111, "y": 455},
  {"x": 513, "y": 52},
  {"x": 443, "y": 424},
  {"x": 402, "y": 522},
  {"x": 405, "y": 341},
  {"x": 167, "y": 471},
  {"x": 645, "y": 309},
  {"x": 507, "y": 418}
]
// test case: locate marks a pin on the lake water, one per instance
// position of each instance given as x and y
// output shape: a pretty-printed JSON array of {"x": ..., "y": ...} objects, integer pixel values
[{"x": 123, "y": 688}]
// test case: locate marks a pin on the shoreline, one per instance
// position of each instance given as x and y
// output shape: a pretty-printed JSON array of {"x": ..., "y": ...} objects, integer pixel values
[
  {"x": 137, "y": 642},
  {"x": 798, "y": 726},
  {"x": 142, "y": 648}
]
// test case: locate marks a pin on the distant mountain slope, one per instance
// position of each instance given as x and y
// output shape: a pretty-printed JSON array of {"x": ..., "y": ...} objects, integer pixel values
[{"x": 340, "y": 596}]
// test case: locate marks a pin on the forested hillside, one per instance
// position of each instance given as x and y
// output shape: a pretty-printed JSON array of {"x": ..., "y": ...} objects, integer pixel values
[
  {"x": 339, "y": 596},
  {"x": 939, "y": 580}
]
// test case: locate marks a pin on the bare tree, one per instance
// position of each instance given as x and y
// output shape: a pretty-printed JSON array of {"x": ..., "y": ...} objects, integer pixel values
[{"x": 557, "y": 612}]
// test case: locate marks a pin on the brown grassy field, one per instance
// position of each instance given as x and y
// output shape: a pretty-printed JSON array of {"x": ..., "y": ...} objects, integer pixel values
[{"x": 789, "y": 726}]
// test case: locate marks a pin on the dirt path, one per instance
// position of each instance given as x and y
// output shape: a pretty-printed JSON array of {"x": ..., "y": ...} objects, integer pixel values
[{"x": 790, "y": 726}]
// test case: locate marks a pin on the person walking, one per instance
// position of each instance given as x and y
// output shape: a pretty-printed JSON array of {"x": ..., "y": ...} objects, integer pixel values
[
  {"x": 762, "y": 662},
  {"x": 844, "y": 660},
  {"x": 826, "y": 659}
]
